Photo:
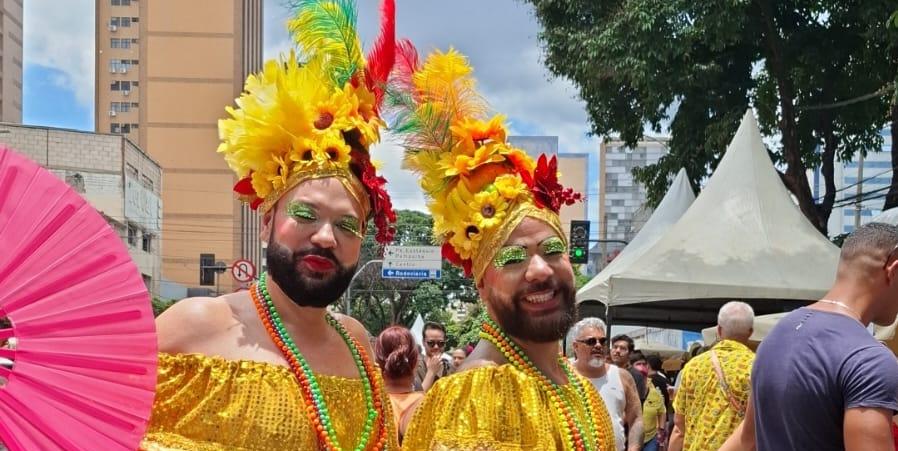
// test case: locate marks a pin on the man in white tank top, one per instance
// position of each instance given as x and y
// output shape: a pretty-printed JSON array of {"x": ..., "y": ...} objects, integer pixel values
[{"x": 616, "y": 386}]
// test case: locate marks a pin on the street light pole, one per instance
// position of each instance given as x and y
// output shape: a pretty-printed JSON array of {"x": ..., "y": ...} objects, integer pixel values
[{"x": 348, "y": 294}]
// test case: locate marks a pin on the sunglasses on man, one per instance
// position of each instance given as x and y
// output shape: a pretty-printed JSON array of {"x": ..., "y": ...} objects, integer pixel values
[
  {"x": 591, "y": 341},
  {"x": 436, "y": 343}
]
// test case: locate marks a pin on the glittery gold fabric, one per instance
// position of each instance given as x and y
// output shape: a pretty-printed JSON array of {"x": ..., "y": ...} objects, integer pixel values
[
  {"x": 494, "y": 239},
  {"x": 499, "y": 408},
  {"x": 208, "y": 403}
]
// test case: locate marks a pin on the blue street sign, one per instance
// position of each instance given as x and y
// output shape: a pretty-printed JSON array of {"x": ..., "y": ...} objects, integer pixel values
[{"x": 421, "y": 274}]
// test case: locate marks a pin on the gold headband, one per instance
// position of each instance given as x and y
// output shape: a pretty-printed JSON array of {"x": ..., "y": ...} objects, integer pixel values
[
  {"x": 352, "y": 184},
  {"x": 494, "y": 239}
]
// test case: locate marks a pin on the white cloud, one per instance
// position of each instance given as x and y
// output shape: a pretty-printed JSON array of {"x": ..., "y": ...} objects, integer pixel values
[{"x": 62, "y": 38}]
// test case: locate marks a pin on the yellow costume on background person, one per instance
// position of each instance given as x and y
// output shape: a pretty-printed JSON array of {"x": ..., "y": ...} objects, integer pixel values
[
  {"x": 481, "y": 189},
  {"x": 710, "y": 417},
  {"x": 208, "y": 403},
  {"x": 299, "y": 138}
]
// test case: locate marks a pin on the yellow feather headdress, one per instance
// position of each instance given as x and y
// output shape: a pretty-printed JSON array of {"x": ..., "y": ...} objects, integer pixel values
[
  {"x": 479, "y": 186},
  {"x": 315, "y": 113}
]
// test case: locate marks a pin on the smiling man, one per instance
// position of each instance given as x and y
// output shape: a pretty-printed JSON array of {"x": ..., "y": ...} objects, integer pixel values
[
  {"x": 271, "y": 368},
  {"x": 496, "y": 212}
]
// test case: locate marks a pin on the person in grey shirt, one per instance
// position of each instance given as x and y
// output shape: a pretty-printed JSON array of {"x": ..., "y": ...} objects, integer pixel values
[{"x": 820, "y": 380}]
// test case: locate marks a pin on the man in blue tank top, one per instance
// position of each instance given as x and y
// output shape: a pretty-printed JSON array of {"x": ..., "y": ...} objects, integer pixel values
[{"x": 820, "y": 380}]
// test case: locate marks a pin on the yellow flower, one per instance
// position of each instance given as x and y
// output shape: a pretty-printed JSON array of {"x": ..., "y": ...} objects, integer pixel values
[
  {"x": 473, "y": 132},
  {"x": 332, "y": 150},
  {"x": 277, "y": 172},
  {"x": 302, "y": 154},
  {"x": 458, "y": 162},
  {"x": 489, "y": 209},
  {"x": 510, "y": 186},
  {"x": 465, "y": 240}
]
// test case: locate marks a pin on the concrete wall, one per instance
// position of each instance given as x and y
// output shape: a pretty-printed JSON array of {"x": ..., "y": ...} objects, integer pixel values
[
  {"x": 98, "y": 166},
  {"x": 11, "y": 61}
]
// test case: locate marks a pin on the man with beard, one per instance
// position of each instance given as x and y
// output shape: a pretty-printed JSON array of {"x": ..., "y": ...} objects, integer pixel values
[
  {"x": 496, "y": 212},
  {"x": 615, "y": 385},
  {"x": 271, "y": 368}
]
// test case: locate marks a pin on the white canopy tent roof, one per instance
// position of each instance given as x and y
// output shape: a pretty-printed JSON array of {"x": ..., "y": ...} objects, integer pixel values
[
  {"x": 889, "y": 216},
  {"x": 677, "y": 200},
  {"x": 742, "y": 238}
]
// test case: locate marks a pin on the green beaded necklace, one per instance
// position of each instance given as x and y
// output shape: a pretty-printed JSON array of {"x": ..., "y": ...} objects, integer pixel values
[{"x": 318, "y": 411}]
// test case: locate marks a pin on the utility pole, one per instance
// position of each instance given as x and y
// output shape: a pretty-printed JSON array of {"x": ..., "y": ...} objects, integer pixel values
[{"x": 858, "y": 203}]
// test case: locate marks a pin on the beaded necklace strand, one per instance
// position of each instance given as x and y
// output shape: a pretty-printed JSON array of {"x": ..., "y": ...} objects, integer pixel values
[
  {"x": 316, "y": 408},
  {"x": 575, "y": 439}
]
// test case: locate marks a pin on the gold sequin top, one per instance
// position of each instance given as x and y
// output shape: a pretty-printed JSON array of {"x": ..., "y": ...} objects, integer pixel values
[
  {"x": 499, "y": 408},
  {"x": 209, "y": 403}
]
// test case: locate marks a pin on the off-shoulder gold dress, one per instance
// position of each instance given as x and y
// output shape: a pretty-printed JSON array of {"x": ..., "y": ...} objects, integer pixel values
[
  {"x": 499, "y": 408},
  {"x": 209, "y": 403}
]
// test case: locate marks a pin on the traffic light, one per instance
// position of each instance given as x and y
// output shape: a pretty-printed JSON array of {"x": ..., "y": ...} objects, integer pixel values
[
  {"x": 207, "y": 269},
  {"x": 579, "y": 242}
]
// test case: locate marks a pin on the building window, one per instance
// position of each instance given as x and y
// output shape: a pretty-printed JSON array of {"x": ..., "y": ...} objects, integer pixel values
[
  {"x": 130, "y": 170},
  {"x": 120, "y": 66},
  {"x": 147, "y": 182},
  {"x": 117, "y": 43},
  {"x": 134, "y": 127},
  {"x": 115, "y": 128},
  {"x": 121, "y": 2},
  {"x": 132, "y": 235},
  {"x": 120, "y": 107},
  {"x": 119, "y": 85},
  {"x": 126, "y": 128},
  {"x": 147, "y": 244}
]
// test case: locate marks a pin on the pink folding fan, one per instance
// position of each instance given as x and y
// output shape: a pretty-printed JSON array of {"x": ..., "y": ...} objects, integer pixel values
[{"x": 83, "y": 366}]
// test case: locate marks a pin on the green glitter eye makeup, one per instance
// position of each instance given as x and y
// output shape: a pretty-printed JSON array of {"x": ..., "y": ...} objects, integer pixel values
[
  {"x": 554, "y": 245},
  {"x": 351, "y": 225},
  {"x": 508, "y": 255},
  {"x": 301, "y": 211}
]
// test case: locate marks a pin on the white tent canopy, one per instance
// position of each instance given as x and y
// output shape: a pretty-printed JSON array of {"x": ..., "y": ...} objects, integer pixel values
[
  {"x": 742, "y": 238},
  {"x": 889, "y": 216},
  {"x": 677, "y": 200}
]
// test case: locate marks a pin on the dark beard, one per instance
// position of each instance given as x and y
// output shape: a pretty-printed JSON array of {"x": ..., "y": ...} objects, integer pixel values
[
  {"x": 303, "y": 290},
  {"x": 540, "y": 329}
]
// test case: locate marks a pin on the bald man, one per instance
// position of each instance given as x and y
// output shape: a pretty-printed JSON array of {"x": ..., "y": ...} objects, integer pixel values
[{"x": 820, "y": 380}]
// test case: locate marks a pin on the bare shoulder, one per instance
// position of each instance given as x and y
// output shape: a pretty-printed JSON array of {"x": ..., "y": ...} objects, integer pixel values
[
  {"x": 625, "y": 377},
  {"x": 189, "y": 322},
  {"x": 356, "y": 329}
]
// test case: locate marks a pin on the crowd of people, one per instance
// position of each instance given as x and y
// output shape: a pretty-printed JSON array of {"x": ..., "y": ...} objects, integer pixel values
[{"x": 275, "y": 367}]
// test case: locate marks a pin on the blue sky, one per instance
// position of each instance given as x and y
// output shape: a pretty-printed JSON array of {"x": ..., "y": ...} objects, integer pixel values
[{"x": 499, "y": 37}]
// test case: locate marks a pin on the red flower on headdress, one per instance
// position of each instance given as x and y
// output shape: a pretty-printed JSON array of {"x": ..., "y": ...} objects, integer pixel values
[
  {"x": 381, "y": 205},
  {"x": 452, "y": 256},
  {"x": 547, "y": 192},
  {"x": 245, "y": 191}
]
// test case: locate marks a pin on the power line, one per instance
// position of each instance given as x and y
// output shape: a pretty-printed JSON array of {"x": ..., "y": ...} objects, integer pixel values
[{"x": 882, "y": 91}]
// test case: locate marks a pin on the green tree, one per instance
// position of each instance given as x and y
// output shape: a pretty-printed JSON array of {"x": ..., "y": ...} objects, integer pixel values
[
  {"x": 160, "y": 305},
  {"x": 703, "y": 63},
  {"x": 378, "y": 302}
]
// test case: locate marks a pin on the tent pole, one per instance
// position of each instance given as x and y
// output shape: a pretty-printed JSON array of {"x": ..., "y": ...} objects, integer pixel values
[{"x": 608, "y": 318}]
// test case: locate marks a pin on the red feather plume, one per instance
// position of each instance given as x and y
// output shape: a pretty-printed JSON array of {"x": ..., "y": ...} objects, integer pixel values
[{"x": 383, "y": 54}]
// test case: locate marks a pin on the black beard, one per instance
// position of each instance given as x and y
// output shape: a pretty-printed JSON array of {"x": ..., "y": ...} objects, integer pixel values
[
  {"x": 303, "y": 290},
  {"x": 519, "y": 324}
]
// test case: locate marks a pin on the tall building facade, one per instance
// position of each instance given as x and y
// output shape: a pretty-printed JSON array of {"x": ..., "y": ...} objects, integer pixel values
[
  {"x": 165, "y": 70},
  {"x": 622, "y": 208},
  {"x": 118, "y": 179},
  {"x": 573, "y": 168},
  {"x": 11, "y": 61},
  {"x": 866, "y": 180}
]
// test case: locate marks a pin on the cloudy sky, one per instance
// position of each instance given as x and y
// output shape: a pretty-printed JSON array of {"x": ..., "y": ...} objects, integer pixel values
[{"x": 500, "y": 39}]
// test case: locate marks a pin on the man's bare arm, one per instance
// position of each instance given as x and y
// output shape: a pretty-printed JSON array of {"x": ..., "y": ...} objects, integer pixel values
[
  {"x": 676, "y": 436},
  {"x": 868, "y": 429},
  {"x": 632, "y": 413}
]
